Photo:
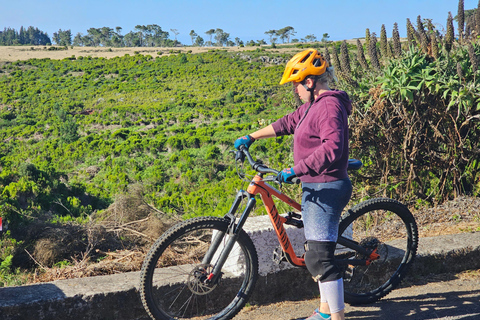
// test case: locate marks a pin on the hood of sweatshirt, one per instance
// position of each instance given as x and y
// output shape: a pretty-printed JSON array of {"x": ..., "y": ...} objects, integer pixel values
[{"x": 342, "y": 96}]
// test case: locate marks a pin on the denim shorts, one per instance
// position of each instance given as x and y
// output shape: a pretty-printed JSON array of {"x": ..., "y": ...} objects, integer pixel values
[{"x": 322, "y": 206}]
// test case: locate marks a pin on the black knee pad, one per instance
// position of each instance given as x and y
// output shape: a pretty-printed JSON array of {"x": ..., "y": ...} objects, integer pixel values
[{"x": 320, "y": 260}]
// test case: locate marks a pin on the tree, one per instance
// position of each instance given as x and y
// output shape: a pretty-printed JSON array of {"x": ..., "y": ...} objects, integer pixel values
[
  {"x": 106, "y": 36},
  {"x": 289, "y": 32},
  {"x": 271, "y": 33},
  {"x": 286, "y": 33},
  {"x": 193, "y": 35},
  {"x": 176, "y": 33},
  {"x": 159, "y": 37},
  {"x": 221, "y": 37},
  {"x": 199, "y": 41},
  {"x": 311, "y": 38},
  {"x": 325, "y": 38},
  {"x": 132, "y": 39},
  {"x": 56, "y": 38},
  {"x": 66, "y": 37},
  {"x": 32, "y": 36},
  {"x": 238, "y": 42},
  {"x": 210, "y": 33},
  {"x": 21, "y": 35},
  {"x": 117, "y": 38},
  {"x": 141, "y": 35},
  {"x": 95, "y": 35}
]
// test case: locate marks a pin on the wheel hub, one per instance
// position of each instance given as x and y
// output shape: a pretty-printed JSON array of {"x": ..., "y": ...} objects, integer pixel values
[
  {"x": 380, "y": 248},
  {"x": 198, "y": 282}
]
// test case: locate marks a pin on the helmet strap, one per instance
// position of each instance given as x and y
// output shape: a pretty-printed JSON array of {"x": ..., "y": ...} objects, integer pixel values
[{"x": 312, "y": 89}]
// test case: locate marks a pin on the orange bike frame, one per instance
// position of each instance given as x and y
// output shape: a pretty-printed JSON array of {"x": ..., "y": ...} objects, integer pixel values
[{"x": 266, "y": 191}]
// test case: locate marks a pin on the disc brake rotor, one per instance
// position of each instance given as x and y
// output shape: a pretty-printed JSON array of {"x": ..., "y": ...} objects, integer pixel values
[{"x": 198, "y": 282}]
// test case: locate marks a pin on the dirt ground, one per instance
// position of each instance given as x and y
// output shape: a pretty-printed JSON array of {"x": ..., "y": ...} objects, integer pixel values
[{"x": 14, "y": 53}]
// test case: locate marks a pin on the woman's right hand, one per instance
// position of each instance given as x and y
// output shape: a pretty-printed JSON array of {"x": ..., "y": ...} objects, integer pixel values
[{"x": 245, "y": 141}]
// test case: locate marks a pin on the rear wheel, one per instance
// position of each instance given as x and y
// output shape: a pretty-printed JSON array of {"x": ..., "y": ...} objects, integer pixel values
[
  {"x": 384, "y": 225},
  {"x": 174, "y": 276}
]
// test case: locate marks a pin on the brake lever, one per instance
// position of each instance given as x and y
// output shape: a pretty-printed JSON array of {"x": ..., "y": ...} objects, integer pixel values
[{"x": 239, "y": 156}]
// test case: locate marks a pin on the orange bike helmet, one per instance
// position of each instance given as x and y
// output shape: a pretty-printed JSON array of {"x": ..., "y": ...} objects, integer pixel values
[{"x": 303, "y": 64}]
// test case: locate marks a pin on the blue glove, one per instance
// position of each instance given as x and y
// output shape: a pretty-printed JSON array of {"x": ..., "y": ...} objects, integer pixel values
[
  {"x": 244, "y": 141},
  {"x": 286, "y": 176}
]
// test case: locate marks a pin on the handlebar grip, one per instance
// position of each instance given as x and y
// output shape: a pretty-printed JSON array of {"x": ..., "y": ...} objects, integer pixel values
[{"x": 296, "y": 180}]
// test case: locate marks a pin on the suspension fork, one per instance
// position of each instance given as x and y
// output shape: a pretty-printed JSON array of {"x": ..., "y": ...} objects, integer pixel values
[{"x": 233, "y": 232}]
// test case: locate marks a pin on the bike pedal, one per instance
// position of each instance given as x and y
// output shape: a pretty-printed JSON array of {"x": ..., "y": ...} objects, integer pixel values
[{"x": 279, "y": 255}]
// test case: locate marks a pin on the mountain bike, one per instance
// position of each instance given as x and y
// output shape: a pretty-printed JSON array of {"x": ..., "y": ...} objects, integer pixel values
[{"x": 206, "y": 267}]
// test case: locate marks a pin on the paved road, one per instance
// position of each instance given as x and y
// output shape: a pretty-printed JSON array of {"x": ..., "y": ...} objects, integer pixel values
[{"x": 440, "y": 297}]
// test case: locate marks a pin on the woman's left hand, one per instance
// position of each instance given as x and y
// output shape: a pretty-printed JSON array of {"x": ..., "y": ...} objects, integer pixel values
[{"x": 286, "y": 176}]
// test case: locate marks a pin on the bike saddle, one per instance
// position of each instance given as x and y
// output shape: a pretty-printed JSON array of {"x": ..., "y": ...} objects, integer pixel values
[{"x": 354, "y": 164}]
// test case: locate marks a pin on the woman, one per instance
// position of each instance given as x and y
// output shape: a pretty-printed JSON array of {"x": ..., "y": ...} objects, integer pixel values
[{"x": 320, "y": 130}]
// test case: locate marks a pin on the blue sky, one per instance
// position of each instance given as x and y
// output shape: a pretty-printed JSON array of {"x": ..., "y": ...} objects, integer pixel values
[{"x": 247, "y": 19}]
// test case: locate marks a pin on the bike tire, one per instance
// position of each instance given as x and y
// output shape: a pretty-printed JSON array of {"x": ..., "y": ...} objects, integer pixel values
[
  {"x": 171, "y": 285},
  {"x": 388, "y": 226}
]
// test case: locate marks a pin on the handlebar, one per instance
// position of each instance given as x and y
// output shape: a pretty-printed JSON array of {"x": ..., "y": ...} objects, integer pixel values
[
  {"x": 353, "y": 164},
  {"x": 243, "y": 153}
]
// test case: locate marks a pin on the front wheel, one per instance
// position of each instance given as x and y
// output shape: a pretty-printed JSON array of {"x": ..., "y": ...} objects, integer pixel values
[
  {"x": 384, "y": 225},
  {"x": 174, "y": 275}
]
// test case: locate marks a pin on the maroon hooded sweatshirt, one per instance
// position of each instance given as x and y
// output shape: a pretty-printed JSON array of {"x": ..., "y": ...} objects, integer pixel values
[{"x": 320, "y": 147}]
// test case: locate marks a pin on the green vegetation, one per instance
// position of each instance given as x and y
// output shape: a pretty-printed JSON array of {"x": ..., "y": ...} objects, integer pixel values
[{"x": 77, "y": 132}]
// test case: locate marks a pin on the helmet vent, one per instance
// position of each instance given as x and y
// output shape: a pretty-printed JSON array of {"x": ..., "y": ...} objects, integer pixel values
[{"x": 306, "y": 57}]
